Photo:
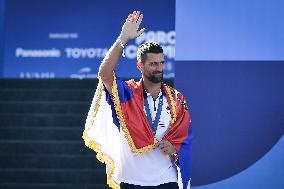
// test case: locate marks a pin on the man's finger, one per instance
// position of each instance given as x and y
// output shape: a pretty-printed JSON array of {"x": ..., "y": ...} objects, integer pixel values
[
  {"x": 167, "y": 151},
  {"x": 128, "y": 18},
  {"x": 165, "y": 147},
  {"x": 163, "y": 143},
  {"x": 160, "y": 143},
  {"x": 137, "y": 16},
  {"x": 139, "y": 20},
  {"x": 132, "y": 17}
]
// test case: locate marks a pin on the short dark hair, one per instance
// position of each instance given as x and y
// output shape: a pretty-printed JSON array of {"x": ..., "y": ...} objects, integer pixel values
[{"x": 148, "y": 47}]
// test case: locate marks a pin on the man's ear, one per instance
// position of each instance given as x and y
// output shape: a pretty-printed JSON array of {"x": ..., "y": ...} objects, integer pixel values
[{"x": 139, "y": 66}]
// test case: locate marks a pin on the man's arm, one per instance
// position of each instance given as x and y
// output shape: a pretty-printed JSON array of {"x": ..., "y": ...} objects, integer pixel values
[{"x": 129, "y": 31}]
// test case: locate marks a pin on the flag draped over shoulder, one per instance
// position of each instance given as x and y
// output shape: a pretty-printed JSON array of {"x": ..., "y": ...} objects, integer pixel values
[
  {"x": 102, "y": 135},
  {"x": 124, "y": 110}
]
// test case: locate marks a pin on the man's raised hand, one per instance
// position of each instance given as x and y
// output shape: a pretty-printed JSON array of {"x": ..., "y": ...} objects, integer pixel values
[{"x": 130, "y": 27}]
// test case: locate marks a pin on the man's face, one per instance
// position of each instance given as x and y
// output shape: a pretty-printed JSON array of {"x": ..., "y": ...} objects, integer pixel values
[{"x": 153, "y": 67}]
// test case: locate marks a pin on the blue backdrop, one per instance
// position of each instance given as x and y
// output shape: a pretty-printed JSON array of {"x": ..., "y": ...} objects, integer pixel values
[
  {"x": 69, "y": 38},
  {"x": 230, "y": 65}
]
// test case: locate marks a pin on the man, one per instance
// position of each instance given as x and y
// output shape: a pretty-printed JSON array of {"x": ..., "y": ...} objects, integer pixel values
[{"x": 141, "y": 130}]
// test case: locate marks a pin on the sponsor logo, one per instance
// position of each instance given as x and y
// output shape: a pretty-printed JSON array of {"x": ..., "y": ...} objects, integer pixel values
[
  {"x": 63, "y": 35},
  {"x": 82, "y": 73},
  {"x": 37, "y": 53},
  {"x": 85, "y": 52},
  {"x": 37, "y": 75}
]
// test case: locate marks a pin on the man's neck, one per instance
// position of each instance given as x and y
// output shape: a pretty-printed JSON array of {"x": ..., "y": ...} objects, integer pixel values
[{"x": 152, "y": 88}]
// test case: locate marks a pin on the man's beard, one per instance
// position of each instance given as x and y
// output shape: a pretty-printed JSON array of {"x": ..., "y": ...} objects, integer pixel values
[{"x": 156, "y": 78}]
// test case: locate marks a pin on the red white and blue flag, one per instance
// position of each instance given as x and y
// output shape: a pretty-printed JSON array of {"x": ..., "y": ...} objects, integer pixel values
[{"x": 124, "y": 110}]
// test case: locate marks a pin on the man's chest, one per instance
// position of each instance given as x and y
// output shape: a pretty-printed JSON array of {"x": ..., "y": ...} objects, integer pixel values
[{"x": 163, "y": 115}]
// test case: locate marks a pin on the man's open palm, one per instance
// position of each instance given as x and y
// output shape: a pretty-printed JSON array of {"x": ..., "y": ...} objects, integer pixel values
[{"x": 131, "y": 26}]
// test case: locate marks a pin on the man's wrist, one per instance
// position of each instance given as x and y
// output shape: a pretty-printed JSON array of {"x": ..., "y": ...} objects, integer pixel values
[
  {"x": 122, "y": 43},
  {"x": 122, "y": 39}
]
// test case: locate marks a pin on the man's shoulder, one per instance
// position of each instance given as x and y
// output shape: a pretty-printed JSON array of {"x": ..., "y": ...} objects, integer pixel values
[
  {"x": 172, "y": 89},
  {"x": 133, "y": 84},
  {"x": 130, "y": 82}
]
